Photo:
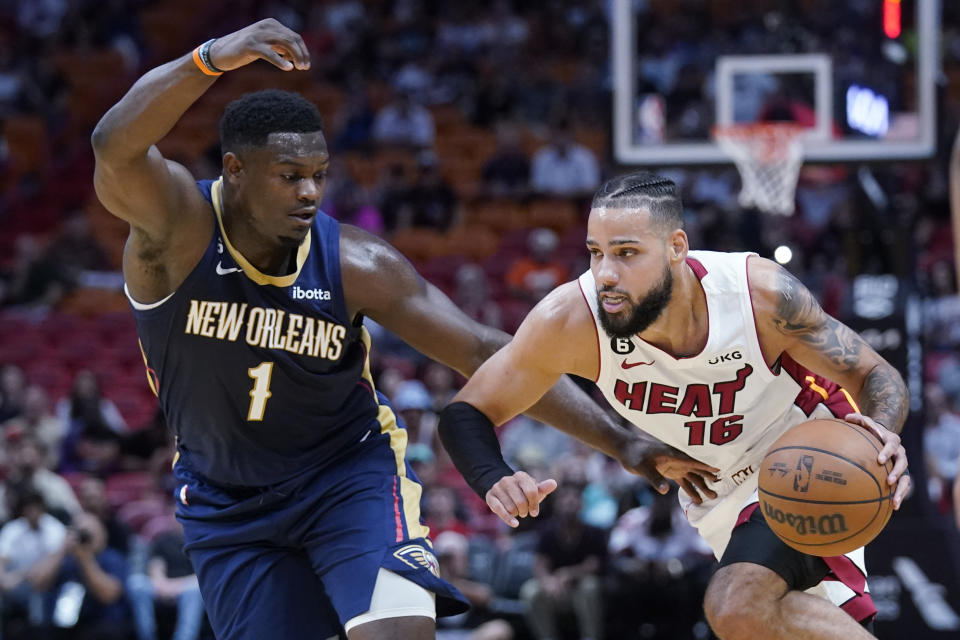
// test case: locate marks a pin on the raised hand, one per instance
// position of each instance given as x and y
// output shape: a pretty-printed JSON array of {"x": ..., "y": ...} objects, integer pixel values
[{"x": 265, "y": 40}]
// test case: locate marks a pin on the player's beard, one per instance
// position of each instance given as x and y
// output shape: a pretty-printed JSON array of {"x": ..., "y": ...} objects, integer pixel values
[{"x": 639, "y": 315}]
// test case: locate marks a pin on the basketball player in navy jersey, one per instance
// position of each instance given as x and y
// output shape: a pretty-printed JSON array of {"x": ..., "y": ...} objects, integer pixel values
[
  {"x": 714, "y": 354},
  {"x": 301, "y": 516}
]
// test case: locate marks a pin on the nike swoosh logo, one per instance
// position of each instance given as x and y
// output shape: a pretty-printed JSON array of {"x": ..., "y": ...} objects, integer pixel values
[
  {"x": 631, "y": 365},
  {"x": 222, "y": 272}
]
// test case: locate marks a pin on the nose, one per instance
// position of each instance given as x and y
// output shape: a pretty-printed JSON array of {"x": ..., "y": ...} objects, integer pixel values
[
  {"x": 308, "y": 192},
  {"x": 605, "y": 273}
]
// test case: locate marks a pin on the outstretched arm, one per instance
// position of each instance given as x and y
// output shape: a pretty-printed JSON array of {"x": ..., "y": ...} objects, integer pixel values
[
  {"x": 381, "y": 284},
  {"x": 789, "y": 319},
  {"x": 553, "y": 338}
]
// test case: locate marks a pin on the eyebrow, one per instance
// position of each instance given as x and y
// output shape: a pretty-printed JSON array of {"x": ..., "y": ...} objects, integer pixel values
[
  {"x": 297, "y": 163},
  {"x": 615, "y": 241}
]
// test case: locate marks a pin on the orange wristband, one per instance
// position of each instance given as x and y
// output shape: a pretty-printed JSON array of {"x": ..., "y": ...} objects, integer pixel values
[{"x": 201, "y": 60}]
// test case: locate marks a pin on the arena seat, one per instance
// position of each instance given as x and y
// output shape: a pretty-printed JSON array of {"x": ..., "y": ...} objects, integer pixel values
[
  {"x": 328, "y": 98},
  {"x": 58, "y": 327},
  {"x": 17, "y": 352},
  {"x": 565, "y": 70},
  {"x": 74, "y": 479},
  {"x": 597, "y": 140},
  {"x": 17, "y": 328},
  {"x": 482, "y": 559},
  {"x": 513, "y": 312},
  {"x": 378, "y": 93},
  {"x": 515, "y": 565},
  {"x": 472, "y": 241},
  {"x": 138, "y": 513},
  {"x": 80, "y": 350},
  {"x": 362, "y": 167},
  {"x": 447, "y": 118},
  {"x": 496, "y": 267},
  {"x": 136, "y": 406},
  {"x": 558, "y": 214},
  {"x": 109, "y": 231},
  {"x": 498, "y": 215},
  {"x": 418, "y": 244},
  {"x": 112, "y": 325},
  {"x": 127, "y": 486},
  {"x": 163, "y": 29},
  {"x": 467, "y": 143},
  {"x": 159, "y": 524},
  {"x": 28, "y": 142},
  {"x": 50, "y": 375},
  {"x": 442, "y": 270}
]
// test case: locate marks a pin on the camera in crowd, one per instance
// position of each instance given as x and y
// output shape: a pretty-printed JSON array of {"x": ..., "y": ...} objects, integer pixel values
[{"x": 83, "y": 535}]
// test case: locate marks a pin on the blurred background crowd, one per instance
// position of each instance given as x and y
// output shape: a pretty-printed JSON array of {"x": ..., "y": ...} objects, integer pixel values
[{"x": 470, "y": 135}]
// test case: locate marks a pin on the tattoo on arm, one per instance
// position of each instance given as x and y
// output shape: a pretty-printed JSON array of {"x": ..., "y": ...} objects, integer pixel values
[
  {"x": 799, "y": 315},
  {"x": 884, "y": 397}
]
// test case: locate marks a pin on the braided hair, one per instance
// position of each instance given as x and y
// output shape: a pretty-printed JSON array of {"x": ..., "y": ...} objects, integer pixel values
[{"x": 643, "y": 190}]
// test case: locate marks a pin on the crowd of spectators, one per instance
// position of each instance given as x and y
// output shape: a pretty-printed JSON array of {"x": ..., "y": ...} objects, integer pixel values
[
  {"x": 87, "y": 521},
  {"x": 88, "y": 545}
]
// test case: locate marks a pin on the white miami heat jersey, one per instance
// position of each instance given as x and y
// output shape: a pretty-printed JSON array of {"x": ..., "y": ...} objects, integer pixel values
[{"x": 723, "y": 406}]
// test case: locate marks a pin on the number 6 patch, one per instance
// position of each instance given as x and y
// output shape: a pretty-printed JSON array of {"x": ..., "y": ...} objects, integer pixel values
[{"x": 623, "y": 346}]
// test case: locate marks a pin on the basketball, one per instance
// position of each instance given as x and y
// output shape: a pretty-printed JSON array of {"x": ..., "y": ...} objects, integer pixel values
[{"x": 822, "y": 490}]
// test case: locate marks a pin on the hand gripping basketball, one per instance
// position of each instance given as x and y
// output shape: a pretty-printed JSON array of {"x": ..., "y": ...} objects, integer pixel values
[
  {"x": 265, "y": 40},
  {"x": 518, "y": 495},
  {"x": 892, "y": 450}
]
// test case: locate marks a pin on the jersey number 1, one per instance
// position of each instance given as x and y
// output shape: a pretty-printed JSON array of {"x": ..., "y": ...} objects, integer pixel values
[{"x": 261, "y": 390}]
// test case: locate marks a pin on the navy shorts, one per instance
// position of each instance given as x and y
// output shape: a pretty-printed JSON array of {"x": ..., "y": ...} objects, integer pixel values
[{"x": 299, "y": 559}]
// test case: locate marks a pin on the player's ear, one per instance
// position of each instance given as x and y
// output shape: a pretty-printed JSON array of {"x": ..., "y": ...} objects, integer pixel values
[
  {"x": 232, "y": 166},
  {"x": 678, "y": 245}
]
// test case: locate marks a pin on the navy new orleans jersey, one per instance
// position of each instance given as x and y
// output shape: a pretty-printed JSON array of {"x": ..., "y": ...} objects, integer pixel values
[
  {"x": 261, "y": 377},
  {"x": 293, "y": 490}
]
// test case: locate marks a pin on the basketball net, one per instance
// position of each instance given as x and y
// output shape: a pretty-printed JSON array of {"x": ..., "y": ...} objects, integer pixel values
[{"x": 768, "y": 156}]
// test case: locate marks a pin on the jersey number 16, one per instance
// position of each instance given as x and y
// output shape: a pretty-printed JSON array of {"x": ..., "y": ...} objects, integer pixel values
[{"x": 722, "y": 430}]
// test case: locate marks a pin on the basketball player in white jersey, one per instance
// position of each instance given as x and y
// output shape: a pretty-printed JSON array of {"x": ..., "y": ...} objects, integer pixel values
[{"x": 711, "y": 353}]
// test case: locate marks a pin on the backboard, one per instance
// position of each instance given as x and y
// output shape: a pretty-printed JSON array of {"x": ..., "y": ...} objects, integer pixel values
[{"x": 860, "y": 74}]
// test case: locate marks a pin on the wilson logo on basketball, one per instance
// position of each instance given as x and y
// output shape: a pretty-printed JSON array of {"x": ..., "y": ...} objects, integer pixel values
[{"x": 828, "y": 524}]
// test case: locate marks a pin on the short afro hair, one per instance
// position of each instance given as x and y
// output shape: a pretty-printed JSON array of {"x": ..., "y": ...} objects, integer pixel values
[
  {"x": 643, "y": 190},
  {"x": 248, "y": 120}
]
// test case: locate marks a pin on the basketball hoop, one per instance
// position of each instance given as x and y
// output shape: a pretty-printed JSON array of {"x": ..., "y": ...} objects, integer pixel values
[{"x": 768, "y": 156}]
